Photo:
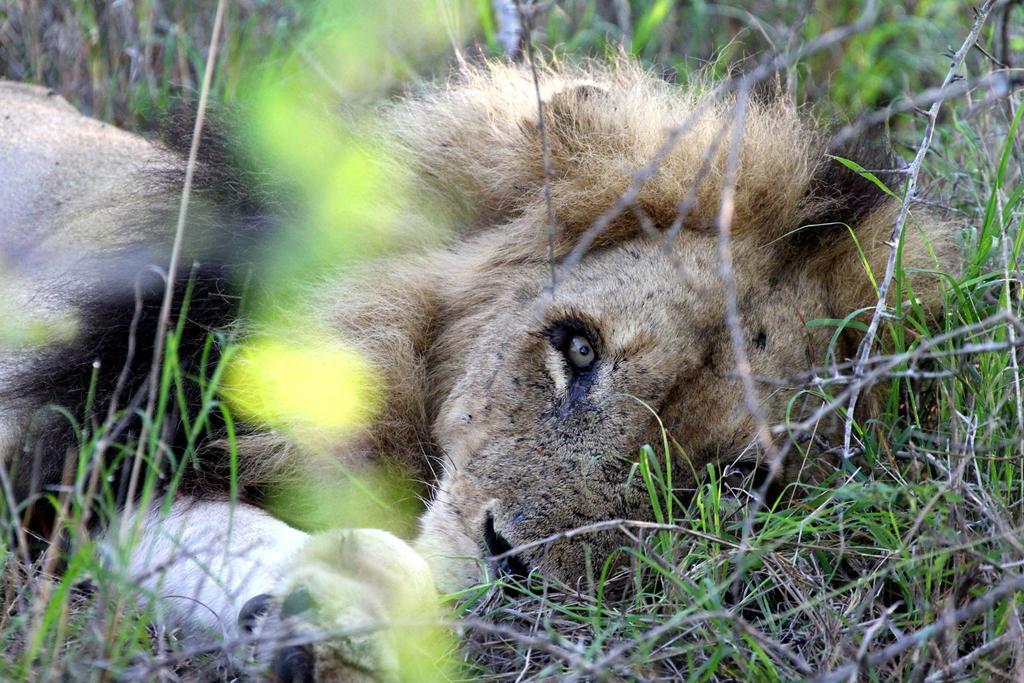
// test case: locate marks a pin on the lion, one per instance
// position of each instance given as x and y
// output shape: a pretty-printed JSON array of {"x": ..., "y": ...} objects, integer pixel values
[{"x": 520, "y": 392}]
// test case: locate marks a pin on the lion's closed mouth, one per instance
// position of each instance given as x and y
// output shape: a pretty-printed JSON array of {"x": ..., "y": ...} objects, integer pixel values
[{"x": 501, "y": 557}]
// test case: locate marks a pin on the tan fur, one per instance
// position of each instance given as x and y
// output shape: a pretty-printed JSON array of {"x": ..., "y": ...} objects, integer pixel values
[{"x": 459, "y": 334}]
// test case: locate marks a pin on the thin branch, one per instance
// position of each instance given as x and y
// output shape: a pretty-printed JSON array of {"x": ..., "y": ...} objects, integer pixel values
[
  {"x": 913, "y": 170},
  {"x": 573, "y": 659},
  {"x": 179, "y": 236},
  {"x": 887, "y": 363},
  {"x": 725, "y": 271},
  {"x": 1000, "y": 84},
  {"x": 955, "y": 669},
  {"x": 545, "y": 147},
  {"x": 610, "y": 524},
  {"x": 751, "y": 400}
]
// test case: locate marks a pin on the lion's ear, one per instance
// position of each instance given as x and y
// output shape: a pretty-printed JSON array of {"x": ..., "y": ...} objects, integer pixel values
[
  {"x": 568, "y": 117},
  {"x": 845, "y": 225},
  {"x": 855, "y": 261}
]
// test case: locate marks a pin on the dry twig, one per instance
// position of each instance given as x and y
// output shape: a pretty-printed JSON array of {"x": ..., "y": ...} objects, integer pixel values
[
  {"x": 923, "y": 635},
  {"x": 913, "y": 171},
  {"x": 545, "y": 147}
]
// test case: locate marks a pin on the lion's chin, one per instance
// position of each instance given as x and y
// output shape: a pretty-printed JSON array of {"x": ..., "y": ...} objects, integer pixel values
[{"x": 453, "y": 557}]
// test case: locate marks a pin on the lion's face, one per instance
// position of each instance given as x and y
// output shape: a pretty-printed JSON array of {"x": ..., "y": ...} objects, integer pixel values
[
  {"x": 539, "y": 403},
  {"x": 554, "y": 397}
]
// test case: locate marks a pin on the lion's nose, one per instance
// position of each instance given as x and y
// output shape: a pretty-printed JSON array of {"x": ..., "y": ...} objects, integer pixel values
[{"x": 506, "y": 563}]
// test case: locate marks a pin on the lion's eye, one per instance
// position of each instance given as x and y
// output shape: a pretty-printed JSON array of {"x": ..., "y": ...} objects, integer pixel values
[
  {"x": 580, "y": 352},
  {"x": 575, "y": 342}
]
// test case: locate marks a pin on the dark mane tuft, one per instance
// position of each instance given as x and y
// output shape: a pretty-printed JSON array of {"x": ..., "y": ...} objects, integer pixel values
[
  {"x": 849, "y": 195},
  {"x": 109, "y": 359}
]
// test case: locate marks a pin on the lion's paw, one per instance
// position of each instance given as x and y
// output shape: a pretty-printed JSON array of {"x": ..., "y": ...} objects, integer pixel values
[{"x": 357, "y": 605}]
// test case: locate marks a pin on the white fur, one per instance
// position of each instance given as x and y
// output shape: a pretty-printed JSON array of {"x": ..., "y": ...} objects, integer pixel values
[
  {"x": 201, "y": 562},
  {"x": 204, "y": 560}
]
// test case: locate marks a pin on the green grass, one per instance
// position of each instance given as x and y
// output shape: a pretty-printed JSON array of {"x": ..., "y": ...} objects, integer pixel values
[{"x": 928, "y": 518}]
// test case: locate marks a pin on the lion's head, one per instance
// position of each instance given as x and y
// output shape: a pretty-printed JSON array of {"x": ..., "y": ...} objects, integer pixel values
[{"x": 537, "y": 400}]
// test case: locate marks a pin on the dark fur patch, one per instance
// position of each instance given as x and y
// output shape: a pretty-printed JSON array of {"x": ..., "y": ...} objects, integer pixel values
[
  {"x": 848, "y": 196},
  {"x": 109, "y": 363},
  {"x": 109, "y": 360}
]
